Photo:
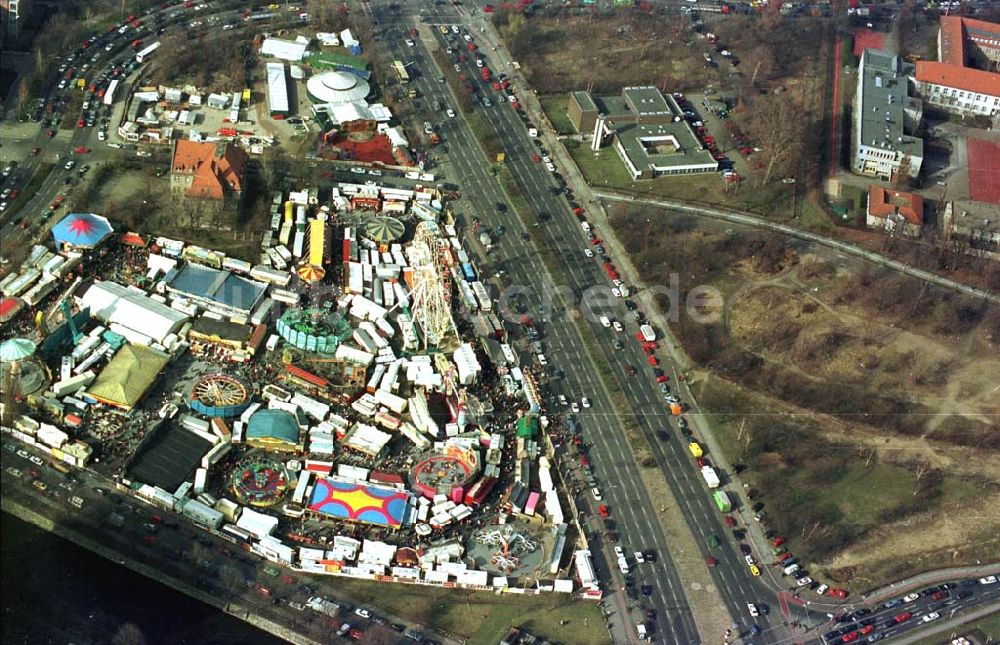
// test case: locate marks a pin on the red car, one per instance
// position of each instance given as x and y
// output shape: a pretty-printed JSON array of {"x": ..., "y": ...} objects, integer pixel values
[
  {"x": 603, "y": 510},
  {"x": 837, "y": 593},
  {"x": 710, "y": 561},
  {"x": 867, "y": 629},
  {"x": 662, "y": 379},
  {"x": 778, "y": 541},
  {"x": 584, "y": 461},
  {"x": 653, "y": 360},
  {"x": 937, "y": 595},
  {"x": 80, "y": 123},
  {"x": 850, "y": 637},
  {"x": 471, "y": 47},
  {"x": 81, "y": 150},
  {"x": 730, "y": 522},
  {"x": 487, "y": 8},
  {"x": 903, "y": 617},
  {"x": 784, "y": 556},
  {"x": 14, "y": 193}
]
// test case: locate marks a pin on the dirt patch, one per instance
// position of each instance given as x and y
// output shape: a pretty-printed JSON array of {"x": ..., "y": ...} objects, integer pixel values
[{"x": 563, "y": 50}]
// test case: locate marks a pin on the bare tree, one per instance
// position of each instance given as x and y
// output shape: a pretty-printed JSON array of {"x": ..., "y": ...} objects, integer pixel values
[
  {"x": 128, "y": 634},
  {"x": 761, "y": 60},
  {"x": 23, "y": 95},
  {"x": 776, "y": 123}
]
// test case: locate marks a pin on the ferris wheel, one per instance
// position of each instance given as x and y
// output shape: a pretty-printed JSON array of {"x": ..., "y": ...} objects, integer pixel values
[{"x": 220, "y": 390}]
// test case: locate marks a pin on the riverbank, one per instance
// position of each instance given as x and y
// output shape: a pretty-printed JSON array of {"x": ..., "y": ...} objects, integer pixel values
[{"x": 92, "y": 594}]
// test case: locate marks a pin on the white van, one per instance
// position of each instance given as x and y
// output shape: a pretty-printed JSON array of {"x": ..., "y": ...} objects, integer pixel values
[
  {"x": 790, "y": 569},
  {"x": 605, "y": 321}
]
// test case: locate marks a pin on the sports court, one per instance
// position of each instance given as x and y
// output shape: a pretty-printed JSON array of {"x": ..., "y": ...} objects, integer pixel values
[{"x": 984, "y": 171}]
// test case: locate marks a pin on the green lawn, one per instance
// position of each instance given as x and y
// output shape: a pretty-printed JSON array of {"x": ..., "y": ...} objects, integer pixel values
[
  {"x": 483, "y": 617},
  {"x": 603, "y": 170},
  {"x": 555, "y": 109},
  {"x": 855, "y": 491}
]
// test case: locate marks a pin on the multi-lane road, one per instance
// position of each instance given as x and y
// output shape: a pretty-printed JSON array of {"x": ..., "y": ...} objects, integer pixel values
[{"x": 612, "y": 460}]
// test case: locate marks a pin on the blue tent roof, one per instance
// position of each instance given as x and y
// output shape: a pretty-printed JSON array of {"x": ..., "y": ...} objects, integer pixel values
[
  {"x": 215, "y": 285},
  {"x": 273, "y": 424},
  {"x": 82, "y": 229}
]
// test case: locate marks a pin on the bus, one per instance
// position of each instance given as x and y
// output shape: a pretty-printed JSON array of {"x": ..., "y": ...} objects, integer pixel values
[{"x": 404, "y": 77}]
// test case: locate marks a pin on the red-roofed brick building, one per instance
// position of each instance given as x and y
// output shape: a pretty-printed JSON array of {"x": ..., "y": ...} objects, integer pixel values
[
  {"x": 205, "y": 171},
  {"x": 964, "y": 79},
  {"x": 895, "y": 212}
]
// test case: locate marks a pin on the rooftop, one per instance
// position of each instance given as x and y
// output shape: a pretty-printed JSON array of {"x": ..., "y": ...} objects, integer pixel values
[
  {"x": 277, "y": 88},
  {"x": 214, "y": 285},
  {"x": 960, "y": 40},
  {"x": 884, "y": 94},
  {"x": 585, "y": 101},
  {"x": 273, "y": 426},
  {"x": 663, "y": 145},
  {"x": 213, "y": 168},
  {"x": 883, "y": 203},
  {"x": 646, "y": 101},
  {"x": 958, "y": 32},
  {"x": 962, "y": 78}
]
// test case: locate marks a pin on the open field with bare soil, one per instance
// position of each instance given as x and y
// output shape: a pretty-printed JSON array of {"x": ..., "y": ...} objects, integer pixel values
[
  {"x": 863, "y": 404},
  {"x": 565, "y": 50}
]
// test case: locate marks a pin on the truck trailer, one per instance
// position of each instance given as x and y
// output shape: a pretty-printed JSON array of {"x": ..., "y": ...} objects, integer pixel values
[
  {"x": 722, "y": 501},
  {"x": 710, "y": 476}
]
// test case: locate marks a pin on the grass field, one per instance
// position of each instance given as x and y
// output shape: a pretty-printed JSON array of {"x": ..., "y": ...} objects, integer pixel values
[
  {"x": 605, "y": 170},
  {"x": 484, "y": 618},
  {"x": 555, "y": 109}
]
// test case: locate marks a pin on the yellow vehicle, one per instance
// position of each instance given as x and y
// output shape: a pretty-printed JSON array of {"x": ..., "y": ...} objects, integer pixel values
[
  {"x": 39, "y": 484},
  {"x": 695, "y": 449},
  {"x": 754, "y": 570},
  {"x": 443, "y": 30}
]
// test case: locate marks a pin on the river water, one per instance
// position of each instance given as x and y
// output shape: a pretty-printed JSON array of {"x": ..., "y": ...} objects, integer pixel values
[{"x": 53, "y": 591}]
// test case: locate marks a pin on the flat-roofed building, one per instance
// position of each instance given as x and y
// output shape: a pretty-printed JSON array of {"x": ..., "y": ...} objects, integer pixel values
[
  {"x": 884, "y": 118},
  {"x": 648, "y": 131}
]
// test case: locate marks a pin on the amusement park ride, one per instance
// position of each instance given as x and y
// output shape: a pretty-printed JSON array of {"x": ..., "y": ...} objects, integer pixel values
[{"x": 431, "y": 293}]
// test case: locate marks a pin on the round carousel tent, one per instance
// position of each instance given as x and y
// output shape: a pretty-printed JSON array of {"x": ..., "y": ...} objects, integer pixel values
[
  {"x": 337, "y": 88},
  {"x": 85, "y": 230},
  {"x": 384, "y": 230},
  {"x": 16, "y": 349},
  {"x": 311, "y": 273}
]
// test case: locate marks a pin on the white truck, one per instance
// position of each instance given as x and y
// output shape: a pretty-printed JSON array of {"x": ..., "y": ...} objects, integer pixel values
[{"x": 710, "y": 476}]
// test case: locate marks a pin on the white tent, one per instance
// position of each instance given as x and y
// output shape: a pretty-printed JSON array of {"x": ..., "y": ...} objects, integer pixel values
[
  {"x": 283, "y": 49},
  {"x": 259, "y": 524},
  {"x": 132, "y": 309}
]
